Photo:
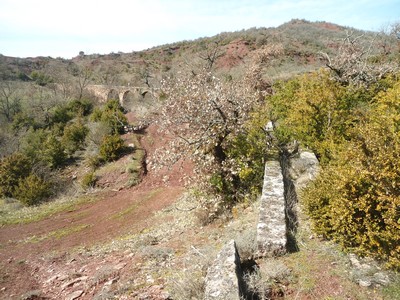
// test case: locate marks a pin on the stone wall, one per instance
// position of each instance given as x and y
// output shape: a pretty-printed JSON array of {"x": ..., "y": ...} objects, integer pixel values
[
  {"x": 223, "y": 280},
  {"x": 271, "y": 228},
  {"x": 277, "y": 224}
]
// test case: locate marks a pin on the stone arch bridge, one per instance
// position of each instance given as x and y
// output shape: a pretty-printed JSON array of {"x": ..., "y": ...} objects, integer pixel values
[{"x": 126, "y": 95}]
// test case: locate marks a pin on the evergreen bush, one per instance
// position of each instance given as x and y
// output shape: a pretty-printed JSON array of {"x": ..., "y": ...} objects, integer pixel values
[
  {"x": 111, "y": 148},
  {"x": 12, "y": 169},
  {"x": 32, "y": 190}
]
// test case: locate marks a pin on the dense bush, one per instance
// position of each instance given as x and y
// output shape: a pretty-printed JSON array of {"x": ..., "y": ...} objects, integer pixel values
[
  {"x": 74, "y": 136},
  {"x": 41, "y": 78},
  {"x": 81, "y": 107},
  {"x": 111, "y": 148},
  {"x": 32, "y": 190},
  {"x": 316, "y": 111},
  {"x": 61, "y": 115},
  {"x": 356, "y": 133},
  {"x": 23, "y": 120},
  {"x": 249, "y": 150},
  {"x": 43, "y": 146},
  {"x": 112, "y": 115},
  {"x": 12, "y": 169},
  {"x": 356, "y": 200},
  {"x": 52, "y": 152},
  {"x": 64, "y": 113}
]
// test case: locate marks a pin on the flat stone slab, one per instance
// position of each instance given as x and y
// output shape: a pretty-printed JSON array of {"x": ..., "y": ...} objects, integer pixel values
[
  {"x": 271, "y": 228},
  {"x": 222, "y": 279}
]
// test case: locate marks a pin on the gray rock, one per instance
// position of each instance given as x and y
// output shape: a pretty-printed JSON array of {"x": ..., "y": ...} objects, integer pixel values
[
  {"x": 74, "y": 295},
  {"x": 381, "y": 278},
  {"x": 364, "y": 282},
  {"x": 303, "y": 168},
  {"x": 72, "y": 282},
  {"x": 34, "y": 294},
  {"x": 224, "y": 275}
]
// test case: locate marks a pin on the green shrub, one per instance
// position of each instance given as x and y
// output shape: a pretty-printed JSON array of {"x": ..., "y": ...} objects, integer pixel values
[
  {"x": 53, "y": 152},
  {"x": 317, "y": 111},
  {"x": 32, "y": 190},
  {"x": 249, "y": 150},
  {"x": 41, "y": 78},
  {"x": 111, "y": 148},
  {"x": 43, "y": 146},
  {"x": 112, "y": 115},
  {"x": 74, "y": 136},
  {"x": 89, "y": 180},
  {"x": 61, "y": 115},
  {"x": 23, "y": 121},
  {"x": 81, "y": 107},
  {"x": 12, "y": 169}
]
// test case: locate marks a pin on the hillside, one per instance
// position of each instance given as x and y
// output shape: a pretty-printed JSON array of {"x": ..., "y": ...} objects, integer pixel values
[
  {"x": 302, "y": 40},
  {"x": 130, "y": 193}
]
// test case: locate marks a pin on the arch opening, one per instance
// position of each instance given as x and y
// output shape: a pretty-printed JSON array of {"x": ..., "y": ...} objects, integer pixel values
[{"x": 130, "y": 100}]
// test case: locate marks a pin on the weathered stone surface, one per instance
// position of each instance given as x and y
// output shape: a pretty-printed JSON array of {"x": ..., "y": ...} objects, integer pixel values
[
  {"x": 303, "y": 168},
  {"x": 223, "y": 277},
  {"x": 74, "y": 295},
  {"x": 72, "y": 282},
  {"x": 271, "y": 228},
  {"x": 367, "y": 272}
]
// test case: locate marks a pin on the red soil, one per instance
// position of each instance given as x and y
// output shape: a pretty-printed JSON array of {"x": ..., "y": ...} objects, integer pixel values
[{"x": 24, "y": 261}]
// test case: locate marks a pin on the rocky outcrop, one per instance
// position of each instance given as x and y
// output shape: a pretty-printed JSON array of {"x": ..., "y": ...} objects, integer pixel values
[
  {"x": 223, "y": 280},
  {"x": 271, "y": 228},
  {"x": 303, "y": 168}
]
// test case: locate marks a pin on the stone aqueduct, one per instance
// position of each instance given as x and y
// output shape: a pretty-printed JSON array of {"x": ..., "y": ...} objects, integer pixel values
[{"x": 124, "y": 94}]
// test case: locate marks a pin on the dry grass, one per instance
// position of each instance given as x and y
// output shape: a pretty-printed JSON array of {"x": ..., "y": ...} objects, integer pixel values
[{"x": 13, "y": 213}]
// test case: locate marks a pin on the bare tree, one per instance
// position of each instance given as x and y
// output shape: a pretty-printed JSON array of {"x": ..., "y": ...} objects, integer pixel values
[
  {"x": 63, "y": 81},
  {"x": 353, "y": 64},
  {"x": 108, "y": 75},
  {"x": 211, "y": 54},
  {"x": 10, "y": 101},
  {"x": 202, "y": 112},
  {"x": 394, "y": 29},
  {"x": 42, "y": 101},
  {"x": 83, "y": 77},
  {"x": 262, "y": 59}
]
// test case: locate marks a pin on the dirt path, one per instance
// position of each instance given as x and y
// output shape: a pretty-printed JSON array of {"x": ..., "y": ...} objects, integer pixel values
[{"x": 114, "y": 214}]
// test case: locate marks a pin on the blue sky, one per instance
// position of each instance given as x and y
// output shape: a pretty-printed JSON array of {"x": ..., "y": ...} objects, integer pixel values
[{"x": 61, "y": 28}]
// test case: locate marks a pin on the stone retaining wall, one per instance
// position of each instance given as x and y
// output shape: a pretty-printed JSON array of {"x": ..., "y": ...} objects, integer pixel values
[
  {"x": 271, "y": 228},
  {"x": 223, "y": 280},
  {"x": 276, "y": 227}
]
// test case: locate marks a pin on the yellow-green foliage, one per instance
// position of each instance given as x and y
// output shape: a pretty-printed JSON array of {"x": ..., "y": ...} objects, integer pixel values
[
  {"x": 356, "y": 199},
  {"x": 32, "y": 190},
  {"x": 13, "y": 168},
  {"x": 112, "y": 115},
  {"x": 250, "y": 149},
  {"x": 354, "y": 131},
  {"x": 89, "y": 180},
  {"x": 111, "y": 147},
  {"x": 74, "y": 136},
  {"x": 315, "y": 110},
  {"x": 43, "y": 146}
]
